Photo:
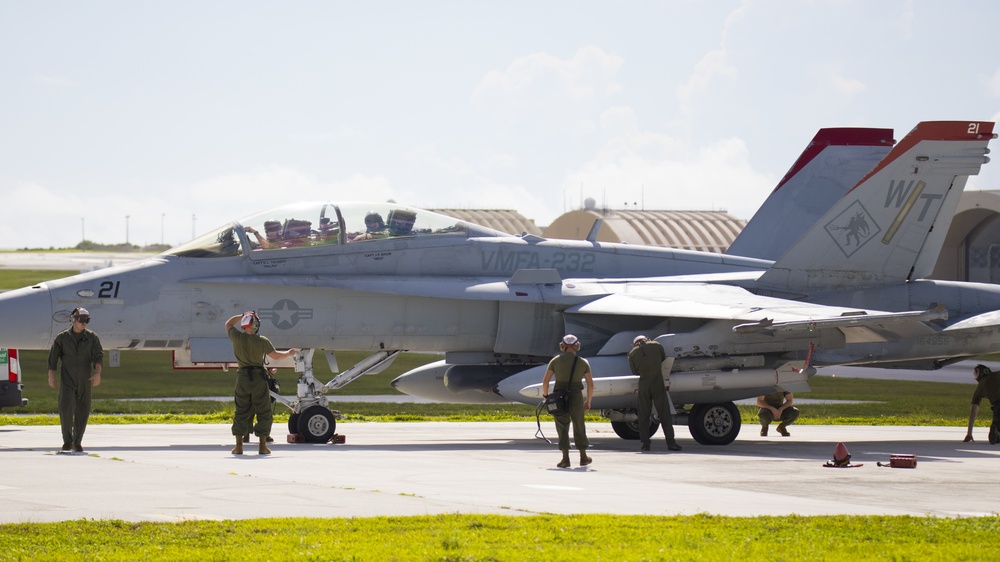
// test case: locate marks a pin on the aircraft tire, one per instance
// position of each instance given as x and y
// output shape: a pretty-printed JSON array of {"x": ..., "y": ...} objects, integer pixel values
[
  {"x": 630, "y": 430},
  {"x": 715, "y": 424},
  {"x": 316, "y": 424},
  {"x": 293, "y": 423}
]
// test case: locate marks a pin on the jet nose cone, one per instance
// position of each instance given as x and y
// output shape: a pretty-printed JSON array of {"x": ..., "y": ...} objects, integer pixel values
[{"x": 26, "y": 318}]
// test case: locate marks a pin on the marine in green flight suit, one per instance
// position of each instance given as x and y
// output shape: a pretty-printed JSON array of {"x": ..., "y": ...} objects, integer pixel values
[
  {"x": 988, "y": 388},
  {"x": 80, "y": 353},
  {"x": 570, "y": 372},
  {"x": 251, "y": 394},
  {"x": 646, "y": 360}
]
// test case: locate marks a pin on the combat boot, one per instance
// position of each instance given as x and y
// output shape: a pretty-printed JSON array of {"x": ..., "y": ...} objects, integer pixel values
[
  {"x": 673, "y": 445},
  {"x": 238, "y": 449},
  {"x": 782, "y": 430},
  {"x": 584, "y": 459},
  {"x": 763, "y": 431},
  {"x": 564, "y": 463},
  {"x": 262, "y": 446}
]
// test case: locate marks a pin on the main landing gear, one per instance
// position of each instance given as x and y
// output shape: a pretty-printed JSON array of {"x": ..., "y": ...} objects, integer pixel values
[
  {"x": 709, "y": 424},
  {"x": 311, "y": 419}
]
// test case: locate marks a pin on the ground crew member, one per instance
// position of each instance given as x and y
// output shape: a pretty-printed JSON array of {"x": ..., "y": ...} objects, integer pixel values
[
  {"x": 646, "y": 360},
  {"x": 776, "y": 406},
  {"x": 570, "y": 371},
  {"x": 251, "y": 394},
  {"x": 988, "y": 388},
  {"x": 81, "y": 354}
]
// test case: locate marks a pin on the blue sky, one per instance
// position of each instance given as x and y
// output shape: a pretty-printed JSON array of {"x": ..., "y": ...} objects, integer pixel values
[{"x": 184, "y": 115}]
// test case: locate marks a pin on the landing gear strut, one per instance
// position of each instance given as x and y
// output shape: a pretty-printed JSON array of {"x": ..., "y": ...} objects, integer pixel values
[{"x": 311, "y": 417}]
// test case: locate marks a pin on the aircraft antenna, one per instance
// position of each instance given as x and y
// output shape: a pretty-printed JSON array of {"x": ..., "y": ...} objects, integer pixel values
[{"x": 592, "y": 235}]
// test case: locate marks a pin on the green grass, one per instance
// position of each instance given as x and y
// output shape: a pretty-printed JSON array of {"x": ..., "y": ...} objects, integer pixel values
[
  {"x": 498, "y": 537},
  {"x": 17, "y": 278}
]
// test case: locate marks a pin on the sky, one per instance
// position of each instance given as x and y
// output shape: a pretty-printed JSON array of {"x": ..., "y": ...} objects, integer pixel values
[{"x": 153, "y": 122}]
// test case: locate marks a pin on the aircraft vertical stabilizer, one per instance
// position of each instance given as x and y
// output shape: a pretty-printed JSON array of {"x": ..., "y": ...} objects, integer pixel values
[
  {"x": 875, "y": 235},
  {"x": 831, "y": 164}
]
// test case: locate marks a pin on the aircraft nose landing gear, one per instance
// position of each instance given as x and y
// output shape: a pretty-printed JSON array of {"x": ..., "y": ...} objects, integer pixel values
[{"x": 311, "y": 420}]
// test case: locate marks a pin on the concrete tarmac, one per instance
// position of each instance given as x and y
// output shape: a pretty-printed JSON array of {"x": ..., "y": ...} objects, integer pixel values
[{"x": 186, "y": 472}]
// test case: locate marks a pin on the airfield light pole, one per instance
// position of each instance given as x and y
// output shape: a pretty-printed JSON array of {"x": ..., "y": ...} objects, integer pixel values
[
  {"x": 83, "y": 232},
  {"x": 192, "y": 226},
  {"x": 126, "y": 230},
  {"x": 163, "y": 217}
]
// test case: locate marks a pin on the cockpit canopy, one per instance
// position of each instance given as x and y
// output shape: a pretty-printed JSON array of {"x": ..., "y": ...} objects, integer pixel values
[{"x": 306, "y": 225}]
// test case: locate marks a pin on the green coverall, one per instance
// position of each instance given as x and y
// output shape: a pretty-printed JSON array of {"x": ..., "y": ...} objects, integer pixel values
[
  {"x": 775, "y": 400},
  {"x": 646, "y": 360},
  {"x": 989, "y": 388},
  {"x": 251, "y": 394},
  {"x": 572, "y": 381},
  {"x": 78, "y": 354}
]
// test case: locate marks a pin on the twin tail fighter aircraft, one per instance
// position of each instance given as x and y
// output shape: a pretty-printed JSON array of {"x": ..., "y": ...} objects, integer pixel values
[{"x": 849, "y": 291}]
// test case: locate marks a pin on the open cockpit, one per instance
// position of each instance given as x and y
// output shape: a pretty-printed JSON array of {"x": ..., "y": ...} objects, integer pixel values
[{"x": 306, "y": 225}]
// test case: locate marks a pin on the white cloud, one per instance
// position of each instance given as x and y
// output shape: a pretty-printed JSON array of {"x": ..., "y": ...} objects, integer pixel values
[{"x": 660, "y": 172}]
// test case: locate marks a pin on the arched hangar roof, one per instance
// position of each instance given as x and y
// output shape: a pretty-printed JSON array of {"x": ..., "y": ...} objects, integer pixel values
[
  {"x": 504, "y": 220},
  {"x": 707, "y": 231}
]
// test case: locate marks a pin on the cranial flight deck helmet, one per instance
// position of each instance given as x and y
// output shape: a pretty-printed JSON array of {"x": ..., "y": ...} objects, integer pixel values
[
  {"x": 80, "y": 314},
  {"x": 638, "y": 340},
  {"x": 374, "y": 220},
  {"x": 568, "y": 342},
  {"x": 250, "y": 319}
]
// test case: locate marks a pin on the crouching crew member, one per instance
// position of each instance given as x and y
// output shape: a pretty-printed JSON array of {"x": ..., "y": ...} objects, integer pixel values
[{"x": 776, "y": 406}]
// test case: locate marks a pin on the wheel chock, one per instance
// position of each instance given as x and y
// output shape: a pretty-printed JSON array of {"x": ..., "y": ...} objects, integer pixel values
[{"x": 299, "y": 438}]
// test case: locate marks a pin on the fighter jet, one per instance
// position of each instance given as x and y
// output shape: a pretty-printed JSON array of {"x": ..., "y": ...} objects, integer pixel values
[{"x": 384, "y": 278}]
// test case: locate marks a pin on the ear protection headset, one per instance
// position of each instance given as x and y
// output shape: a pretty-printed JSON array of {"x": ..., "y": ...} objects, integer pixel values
[
  {"x": 568, "y": 342},
  {"x": 250, "y": 319}
]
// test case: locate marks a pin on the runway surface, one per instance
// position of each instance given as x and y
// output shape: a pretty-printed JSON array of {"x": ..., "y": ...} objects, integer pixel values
[{"x": 186, "y": 472}]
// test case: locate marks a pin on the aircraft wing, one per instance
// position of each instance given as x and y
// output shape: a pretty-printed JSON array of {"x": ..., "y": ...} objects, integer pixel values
[{"x": 762, "y": 315}]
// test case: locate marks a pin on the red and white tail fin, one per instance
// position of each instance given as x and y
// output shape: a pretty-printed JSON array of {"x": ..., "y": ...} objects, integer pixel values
[
  {"x": 832, "y": 163},
  {"x": 880, "y": 233}
]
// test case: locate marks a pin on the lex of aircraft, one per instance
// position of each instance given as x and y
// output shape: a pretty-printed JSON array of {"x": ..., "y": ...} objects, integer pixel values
[{"x": 849, "y": 291}]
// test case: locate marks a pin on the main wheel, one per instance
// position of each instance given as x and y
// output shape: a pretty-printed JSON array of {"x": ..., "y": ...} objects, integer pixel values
[
  {"x": 715, "y": 424},
  {"x": 293, "y": 423},
  {"x": 316, "y": 424},
  {"x": 630, "y": 430}
]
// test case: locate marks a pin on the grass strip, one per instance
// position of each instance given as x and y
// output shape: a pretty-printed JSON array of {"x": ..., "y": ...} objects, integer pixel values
[{"x": 500, "y": 537}]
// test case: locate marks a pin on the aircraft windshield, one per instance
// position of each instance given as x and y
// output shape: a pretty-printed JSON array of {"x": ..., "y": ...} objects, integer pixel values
[
  {"x": 219, "y": 243},
  {"x": 321, "y": 224}
]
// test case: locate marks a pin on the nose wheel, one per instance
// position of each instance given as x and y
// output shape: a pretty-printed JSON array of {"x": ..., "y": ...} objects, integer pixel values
[{"x": 316, "y": 424}]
